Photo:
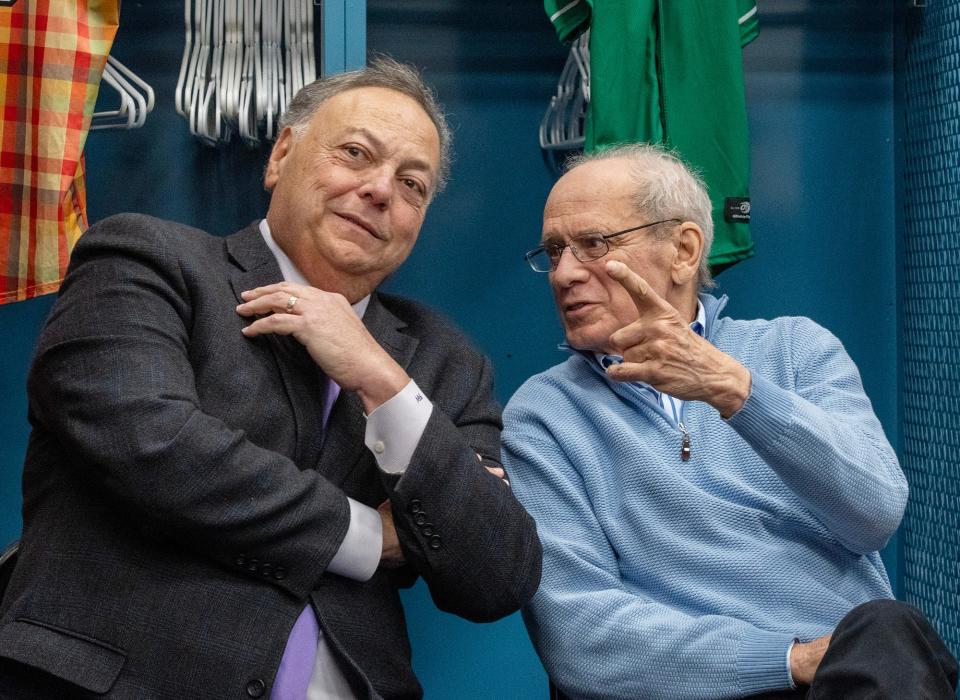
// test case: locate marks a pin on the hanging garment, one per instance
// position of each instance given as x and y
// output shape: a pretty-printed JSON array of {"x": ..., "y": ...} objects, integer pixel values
[
  {"x": 671, "y": 72},
  {"x": 52, "y": 54}
]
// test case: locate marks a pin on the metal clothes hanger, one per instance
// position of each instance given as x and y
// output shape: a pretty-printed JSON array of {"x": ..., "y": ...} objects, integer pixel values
[
  {"x": 136, "y": 98},
  {"x": 562, "y": 125},
  {"x": 243, "y": 61}
]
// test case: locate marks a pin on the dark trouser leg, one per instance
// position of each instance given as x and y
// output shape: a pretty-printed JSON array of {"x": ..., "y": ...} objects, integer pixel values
[{"x": 885, "y": 649}]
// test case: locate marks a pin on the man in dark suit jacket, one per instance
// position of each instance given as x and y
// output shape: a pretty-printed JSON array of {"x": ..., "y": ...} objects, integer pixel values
[{"x": 202, "y": 511}]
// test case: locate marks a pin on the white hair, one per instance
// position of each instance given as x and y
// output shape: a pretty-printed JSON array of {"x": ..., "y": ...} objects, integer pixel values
[{"x": 665, "y": 189}]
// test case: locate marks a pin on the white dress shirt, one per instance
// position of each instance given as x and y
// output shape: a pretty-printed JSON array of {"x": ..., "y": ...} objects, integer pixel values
[{"x": 393, "y": 431}]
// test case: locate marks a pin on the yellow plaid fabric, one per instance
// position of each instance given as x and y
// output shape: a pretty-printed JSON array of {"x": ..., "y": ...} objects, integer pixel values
[{"x": 52, "y": 54}]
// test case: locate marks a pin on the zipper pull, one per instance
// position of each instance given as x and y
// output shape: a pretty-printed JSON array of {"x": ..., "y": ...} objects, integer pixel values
[{"x": 684, "y": 444}]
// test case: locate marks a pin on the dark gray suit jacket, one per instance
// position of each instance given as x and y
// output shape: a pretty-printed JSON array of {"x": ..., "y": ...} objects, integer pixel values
[{"x": 179, "y": 508}]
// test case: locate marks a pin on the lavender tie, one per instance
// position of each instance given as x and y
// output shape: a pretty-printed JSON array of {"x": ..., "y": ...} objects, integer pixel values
[{"x": 299, "y": 656}]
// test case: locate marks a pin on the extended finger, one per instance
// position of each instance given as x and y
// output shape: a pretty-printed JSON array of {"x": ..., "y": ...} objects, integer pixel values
[
  {"x": 644, "y": 298},
  {"x": 277, "y": 302},
  {"x": 284, "y": 287},
  {"x": 279, "y": 324},
  {"x": 629, "y": 336},
  {"x": 631, "y": 372}
]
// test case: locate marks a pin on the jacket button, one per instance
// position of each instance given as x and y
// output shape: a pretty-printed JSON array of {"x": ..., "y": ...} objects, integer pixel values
[
  {"x": 427, "y": 529},
  {"x": 253, "y": 566},
  {"x": 435, "y": 543},
  {"x": 255, "y": 688},
  {"x": 415, "y": 505},
  {"x": 267, "y": 570},
  {"x": 280, "y": 573},
  {"x": 420, "y": 518}
]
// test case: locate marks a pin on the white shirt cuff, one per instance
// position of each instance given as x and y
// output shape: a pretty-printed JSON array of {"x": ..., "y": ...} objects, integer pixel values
[
  {"x": 793, "y": 685},
  {"x": 359, "y": 553},
  {"x": 395, "y": 427}
]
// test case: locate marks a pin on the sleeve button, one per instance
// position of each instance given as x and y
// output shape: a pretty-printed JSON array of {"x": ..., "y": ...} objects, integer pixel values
[
  {"x": 435, "y": 543},
  {"x": 279, "y": 573},
  {"x": 420, "y": 518},
  {"x": 255, "y": 688},
  {"x": 427, "y": 529},
  {"x": 415, "y": 505}
]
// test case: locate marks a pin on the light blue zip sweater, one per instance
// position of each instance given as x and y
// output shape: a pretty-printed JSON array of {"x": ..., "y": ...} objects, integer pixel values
[{"x": 672, "y": 579}]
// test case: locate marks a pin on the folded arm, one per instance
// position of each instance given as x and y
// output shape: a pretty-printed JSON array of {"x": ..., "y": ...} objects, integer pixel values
[
  {"x": 457, "y": 524},
  {"x": 825, "y": 442},
  {"x": 820, "y": 434}
]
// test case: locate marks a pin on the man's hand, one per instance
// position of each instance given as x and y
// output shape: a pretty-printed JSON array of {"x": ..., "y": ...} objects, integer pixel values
[
  {"x": 496, "y": 471},
  {"x": 332, "y": 333},
  {"x": 391, "y": 555},
  {"x": 805, "y": 659},
  {"x": 659, "y": 348}
]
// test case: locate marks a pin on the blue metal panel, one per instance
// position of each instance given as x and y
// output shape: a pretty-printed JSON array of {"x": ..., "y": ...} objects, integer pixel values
[
  {"x": 344, "y": 42},
  {"x": 930, "y": 328}
]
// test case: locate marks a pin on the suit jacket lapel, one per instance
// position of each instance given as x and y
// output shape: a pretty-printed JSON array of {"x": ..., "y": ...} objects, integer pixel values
[
  {"x": 255, "y": 266},
  {"x": 343, "y": 447}
]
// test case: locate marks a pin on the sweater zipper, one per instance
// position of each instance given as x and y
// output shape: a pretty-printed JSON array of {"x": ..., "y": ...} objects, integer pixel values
[
  {"x": 685, "y": 439},
  {"x": 684, "y": 443}
]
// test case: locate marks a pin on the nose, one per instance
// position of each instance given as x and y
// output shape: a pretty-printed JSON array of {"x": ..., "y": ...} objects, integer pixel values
[
  {"x": 569, "y": 270},
  {"x": 377, "y": 187}
]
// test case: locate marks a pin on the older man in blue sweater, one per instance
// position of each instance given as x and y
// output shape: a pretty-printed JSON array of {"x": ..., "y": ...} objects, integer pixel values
[{"x": 711, "y": 494}]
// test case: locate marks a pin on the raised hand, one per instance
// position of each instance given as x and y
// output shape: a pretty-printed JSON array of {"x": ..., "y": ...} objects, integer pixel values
[
  {"x": 659, "y": 348},
  {"x": 332, "y": 333}
]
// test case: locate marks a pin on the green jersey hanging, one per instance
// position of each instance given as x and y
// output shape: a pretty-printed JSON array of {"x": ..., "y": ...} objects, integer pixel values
[{"x": 671, "y": 72}]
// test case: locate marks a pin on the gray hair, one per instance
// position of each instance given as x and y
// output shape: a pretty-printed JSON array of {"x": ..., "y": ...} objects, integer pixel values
[
  {"x": 665, "y": 189},
  {"x": 382, "y": 72}
]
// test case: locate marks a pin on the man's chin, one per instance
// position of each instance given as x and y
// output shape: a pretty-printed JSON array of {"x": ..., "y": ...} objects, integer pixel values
[{"x": 585, "y": 342}]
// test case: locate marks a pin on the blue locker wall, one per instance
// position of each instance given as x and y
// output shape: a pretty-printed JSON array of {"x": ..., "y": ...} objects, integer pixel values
[
  {"x": 930, "y": 270},
  {"x": 820, "y": 99}
]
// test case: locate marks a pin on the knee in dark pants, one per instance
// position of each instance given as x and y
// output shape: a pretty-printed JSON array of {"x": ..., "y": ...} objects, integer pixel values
[
  {"x": 888, "y": 614},
  {"x": 885, "y": 649}
]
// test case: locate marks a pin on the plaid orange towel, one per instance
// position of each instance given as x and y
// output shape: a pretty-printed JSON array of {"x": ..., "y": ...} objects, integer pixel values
[{"x": 52, "y": 54}]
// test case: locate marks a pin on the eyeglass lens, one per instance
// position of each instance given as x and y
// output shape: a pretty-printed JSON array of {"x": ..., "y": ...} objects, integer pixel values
[{"x": 584, "y": 249}]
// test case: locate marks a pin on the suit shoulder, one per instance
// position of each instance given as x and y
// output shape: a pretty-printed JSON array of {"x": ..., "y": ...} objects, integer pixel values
[
  {"x": 141, "y": 231},
  {"x": 425, "y": 322}
]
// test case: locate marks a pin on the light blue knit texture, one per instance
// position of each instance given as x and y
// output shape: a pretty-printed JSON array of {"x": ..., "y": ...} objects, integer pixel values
[{"x": 672, "y": 579}]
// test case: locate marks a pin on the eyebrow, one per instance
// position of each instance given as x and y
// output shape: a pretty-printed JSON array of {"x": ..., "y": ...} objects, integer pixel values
[
  {"x": 414, "y": 163},
  {"x": 578, "y": 234}
]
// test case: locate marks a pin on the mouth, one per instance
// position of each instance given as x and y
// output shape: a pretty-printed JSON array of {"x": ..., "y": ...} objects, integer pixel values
[
  {"x": 577, "y": 308},
  {"x": 363, "y": 224}
]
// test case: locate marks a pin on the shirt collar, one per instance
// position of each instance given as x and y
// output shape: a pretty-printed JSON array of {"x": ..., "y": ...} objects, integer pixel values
[{"x": 291, "y": 273}]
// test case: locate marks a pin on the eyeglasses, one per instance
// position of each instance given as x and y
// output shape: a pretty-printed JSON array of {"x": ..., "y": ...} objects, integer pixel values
[{"x": 590, "y": 246}]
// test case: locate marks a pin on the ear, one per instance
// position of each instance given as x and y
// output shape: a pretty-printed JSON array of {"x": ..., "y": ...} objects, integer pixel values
[
  {"x": 278, "y": 156},
  {"x": 688, "y": 252}
]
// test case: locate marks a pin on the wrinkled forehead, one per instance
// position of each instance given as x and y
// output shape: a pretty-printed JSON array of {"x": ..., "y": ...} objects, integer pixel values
[
  {"x": 594, "y": 194},
  {"x": 388, "y": 114}
]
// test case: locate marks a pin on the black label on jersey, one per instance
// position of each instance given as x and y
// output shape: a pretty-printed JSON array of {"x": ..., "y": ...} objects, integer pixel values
[
  {"x": 7, "y": 3},
  {"x": 736, "y": 210}
]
